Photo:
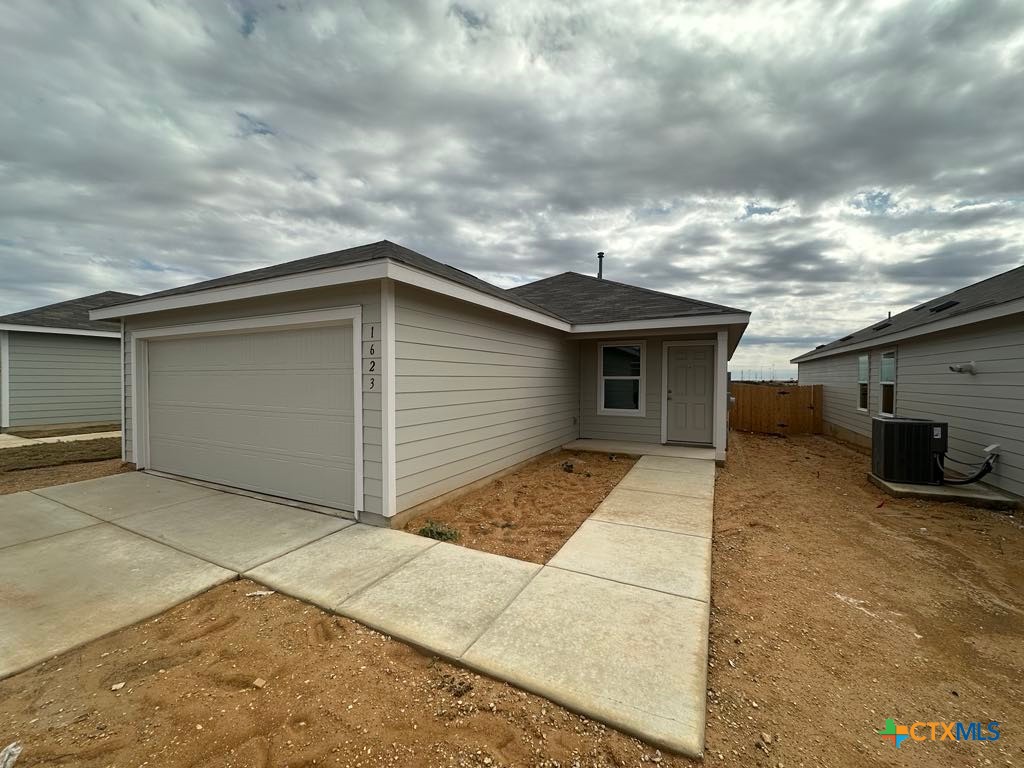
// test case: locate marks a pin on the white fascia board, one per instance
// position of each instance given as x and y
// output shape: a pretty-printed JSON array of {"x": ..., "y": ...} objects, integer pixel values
[
  {"x": 59, "y": 331},
  {"x": 319, "y": 278},
  {"x": 322, "y": 278},
  {"x": 411, "y": 276},
  {"x": 671, "y": 323},
  {"x": 967, "y": 318}
]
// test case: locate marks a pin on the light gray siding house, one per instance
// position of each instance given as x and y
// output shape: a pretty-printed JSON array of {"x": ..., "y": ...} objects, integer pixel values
[
  {"x": 901, "y": 366},
  {"x": 372, "y": 380},
  {"x": 58, "y": 367}
]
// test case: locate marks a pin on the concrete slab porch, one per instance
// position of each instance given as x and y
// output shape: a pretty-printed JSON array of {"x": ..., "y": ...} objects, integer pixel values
[{"x": 975, "y": 494}]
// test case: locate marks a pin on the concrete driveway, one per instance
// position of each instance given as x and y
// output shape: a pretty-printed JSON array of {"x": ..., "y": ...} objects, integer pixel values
[
  {"x": 614, "y": 626},
  {"x": 81, "y": 560}
]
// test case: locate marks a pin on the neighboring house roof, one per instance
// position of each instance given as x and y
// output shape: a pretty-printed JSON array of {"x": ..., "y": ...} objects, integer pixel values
[
  {"x": 73, "y": 314},
  {"x": 383, "y": 249},
  {"x": 932, "y": 315},
  {"x": 584, "y": 299}
]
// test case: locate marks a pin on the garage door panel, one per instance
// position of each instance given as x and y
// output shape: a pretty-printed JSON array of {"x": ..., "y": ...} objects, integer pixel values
[
  {"x": 265, "y": 472},
  {"x": 282, "y": 431},
  {"x": 269, "y": 411},
  {"x": 297, "y": 391}
]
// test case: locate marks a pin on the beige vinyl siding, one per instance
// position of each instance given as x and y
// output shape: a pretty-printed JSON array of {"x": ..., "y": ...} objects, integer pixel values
[
  {"x": 982, "y": 409},
  {"x": 475, "y": 392},
  {"x": 366, "y": 295},
  {"x": 63, "y": 379},
  {"x": 646, "y": 428}
]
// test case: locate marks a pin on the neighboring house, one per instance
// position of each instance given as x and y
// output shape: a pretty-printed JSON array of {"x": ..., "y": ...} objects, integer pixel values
[
  {"x": 374, "y": 379},
  {"x": 900, "y": 366},
  {"x": 58, "y": 367}
]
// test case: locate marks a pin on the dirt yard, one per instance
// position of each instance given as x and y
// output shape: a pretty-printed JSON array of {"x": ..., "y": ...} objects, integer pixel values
[
  {"x": 835, "y": 607},
  {"x": 831, "y": 612},
  {"x": 335, "y": 694},
  {"x": 530, "y": 513},
  {"x": 44, "y": 464}
]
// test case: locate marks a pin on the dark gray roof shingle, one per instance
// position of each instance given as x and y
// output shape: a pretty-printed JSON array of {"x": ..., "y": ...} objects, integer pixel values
[
  {"x": 584, "y": 299},
  {"x": 570, "y": 296},
  {"x": 383, "y": 249},
  {"x": 73, "y": 314},
  {"x": 999, "y": 289}
]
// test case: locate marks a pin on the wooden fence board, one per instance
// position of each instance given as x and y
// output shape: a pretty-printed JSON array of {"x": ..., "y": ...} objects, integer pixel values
[{"x": 783, "y": 410}]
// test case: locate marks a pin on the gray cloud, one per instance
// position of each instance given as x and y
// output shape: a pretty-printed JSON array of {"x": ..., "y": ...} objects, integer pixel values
[{"x": 819, "y": 164}]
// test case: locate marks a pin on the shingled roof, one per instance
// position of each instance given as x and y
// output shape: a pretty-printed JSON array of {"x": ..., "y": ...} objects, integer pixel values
[
  {"x": 383, "y": 249},
  {"x": 999, "y": 289},
  {"x": 72, "y": 314},
  {"x": 584, "y": 299},
  {"x": 570, "y": 297}
]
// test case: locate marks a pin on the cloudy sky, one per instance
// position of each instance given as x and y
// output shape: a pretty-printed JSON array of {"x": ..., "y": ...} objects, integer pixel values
[{"x": 818, "y": 163}]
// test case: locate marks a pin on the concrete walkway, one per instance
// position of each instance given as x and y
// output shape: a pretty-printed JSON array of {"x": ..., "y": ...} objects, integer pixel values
[
  {"x": 615, "y": 626},
  {"x": 13, "y": 441}
]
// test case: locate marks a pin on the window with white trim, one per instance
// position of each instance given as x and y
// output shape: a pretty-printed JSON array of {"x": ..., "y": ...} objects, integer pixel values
[
  {"x": 863, "y": 376},
  {"x": 620, "y": 378},
  {"x": 887, "y": 384}
]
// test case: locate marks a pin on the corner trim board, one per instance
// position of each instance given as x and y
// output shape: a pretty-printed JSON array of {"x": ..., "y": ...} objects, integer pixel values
[
  {"x": 5, "y": 379},
  {"x": 388, "y": 414}
]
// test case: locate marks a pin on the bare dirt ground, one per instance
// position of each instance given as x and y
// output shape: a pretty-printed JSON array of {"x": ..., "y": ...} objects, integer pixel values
[
  {"x": 835, "y": 606},
  {"x": 336, "y": 694},
  {"x": 38, "y": 466},
  {"x": 530, "y": 513},
  {"x": 830, "y": 613}
]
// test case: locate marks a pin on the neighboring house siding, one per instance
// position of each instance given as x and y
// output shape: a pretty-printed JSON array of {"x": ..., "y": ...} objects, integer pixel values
[
  {"x": 475, "y": 393},
  {"x": 646, "y": 428},
  {"x": 982, "y": 409},
  {"x": 366, "y": 295},
  {"x": 838, "y": 377},
  {"x": 59, "y": 379}
]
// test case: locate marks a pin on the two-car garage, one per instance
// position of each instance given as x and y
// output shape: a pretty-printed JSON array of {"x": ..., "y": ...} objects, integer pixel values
[{"x": 267, "y": 404}]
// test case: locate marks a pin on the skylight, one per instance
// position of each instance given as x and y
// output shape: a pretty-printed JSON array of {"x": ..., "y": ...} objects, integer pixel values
[{"x": 943, "y": 305}]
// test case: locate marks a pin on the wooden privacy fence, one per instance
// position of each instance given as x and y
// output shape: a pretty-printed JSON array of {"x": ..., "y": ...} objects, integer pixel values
[{"x": 776, "y": 410}]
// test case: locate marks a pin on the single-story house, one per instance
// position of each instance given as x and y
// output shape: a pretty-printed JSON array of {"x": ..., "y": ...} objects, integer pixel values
[
  {"x": 58, "y": 367},
  {"x": 374, "y": 379},
  {"x": 958, "y": 358}
]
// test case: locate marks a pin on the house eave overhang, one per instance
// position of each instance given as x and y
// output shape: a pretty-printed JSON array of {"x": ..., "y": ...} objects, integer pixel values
[
  {"x": 322, "y": 278},
  {"x": 61, "y": 331},
  {"x": 967, "y": 318},
  {"x": 388, "y": 269}
]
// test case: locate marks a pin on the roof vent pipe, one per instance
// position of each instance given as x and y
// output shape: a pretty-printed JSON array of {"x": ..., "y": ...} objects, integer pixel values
[{"x": 600, "y": 265}]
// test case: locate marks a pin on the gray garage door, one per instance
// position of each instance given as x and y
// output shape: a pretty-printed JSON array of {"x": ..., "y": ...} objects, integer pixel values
[{"x": 269, "y": 411}]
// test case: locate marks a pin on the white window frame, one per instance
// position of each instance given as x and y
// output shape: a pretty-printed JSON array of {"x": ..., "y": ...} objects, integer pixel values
[
  {"x": 864, "y": 382},
  {"x": 882, "y": 384},
  {"x": 641, "y": 412}
]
